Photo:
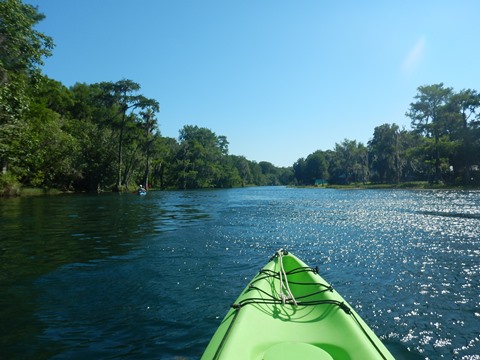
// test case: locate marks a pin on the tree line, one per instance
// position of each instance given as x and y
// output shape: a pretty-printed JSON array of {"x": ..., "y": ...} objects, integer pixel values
[
  {"x": 105, "y": 136},
  {"x": 443, "y": 146},
  {"x": 101, "y": 136}
]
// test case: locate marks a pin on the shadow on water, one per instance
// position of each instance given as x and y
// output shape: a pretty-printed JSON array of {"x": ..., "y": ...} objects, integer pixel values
[
  {"x": 41, "y": 234},
  {"x": 450, "y": 214}
]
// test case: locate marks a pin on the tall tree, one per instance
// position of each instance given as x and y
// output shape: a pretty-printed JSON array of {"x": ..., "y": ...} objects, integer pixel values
[
  {"x": 386, "y": 152},
  {"x": 243, "y": 169},
  {"x": 351, "y": 161},
  {"x": 164, "y": 164},
  {"x": 51, "y": 151},
  {"x": 299, "y": 171},
  {"x": 94, "y": 133},
  {"x": 123, "y": 98},
  {"x": 316, "y": 167},
  {"x": 150, "y": 127},
  {"x": 199, "y": 157},
  {"x": 467, "y": 103},
  {"x": 22, "y": 49},
  {"x": 429, "y": 116}
]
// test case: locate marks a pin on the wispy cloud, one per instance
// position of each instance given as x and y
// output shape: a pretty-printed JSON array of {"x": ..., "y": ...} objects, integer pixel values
[{"x": 414, "y": 56}]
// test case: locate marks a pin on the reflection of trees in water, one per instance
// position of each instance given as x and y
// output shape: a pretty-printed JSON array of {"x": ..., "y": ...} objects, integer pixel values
[{"x": 39, "y": 235}]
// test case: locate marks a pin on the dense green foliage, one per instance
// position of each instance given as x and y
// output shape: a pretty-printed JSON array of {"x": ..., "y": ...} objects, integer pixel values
[
  {"x": 105, "y": 136},
  {"x": 97, "y": 136},
  {"x": 443, "y": 146}
]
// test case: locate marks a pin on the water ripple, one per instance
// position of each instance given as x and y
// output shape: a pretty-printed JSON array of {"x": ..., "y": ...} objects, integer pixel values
[{"x": 135, "y": 277}]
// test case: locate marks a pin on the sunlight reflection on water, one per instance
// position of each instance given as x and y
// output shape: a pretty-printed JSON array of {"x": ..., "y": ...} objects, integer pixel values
[
  {"x": 142, "y": 277},
  {"x": 408, "y": 260}
]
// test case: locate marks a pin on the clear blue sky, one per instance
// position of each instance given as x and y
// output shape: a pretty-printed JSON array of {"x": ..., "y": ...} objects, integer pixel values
[{"x": 280, "y": 79}]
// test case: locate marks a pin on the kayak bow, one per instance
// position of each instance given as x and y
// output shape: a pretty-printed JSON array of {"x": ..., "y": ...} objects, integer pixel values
[{"x": 288, "y": 311}]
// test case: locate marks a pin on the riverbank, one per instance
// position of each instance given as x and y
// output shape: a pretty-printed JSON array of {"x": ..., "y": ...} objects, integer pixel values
[{"x": 413, "y": 185}]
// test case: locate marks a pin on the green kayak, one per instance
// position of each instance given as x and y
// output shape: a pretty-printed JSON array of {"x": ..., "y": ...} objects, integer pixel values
[{"x": 288, "y": 311}]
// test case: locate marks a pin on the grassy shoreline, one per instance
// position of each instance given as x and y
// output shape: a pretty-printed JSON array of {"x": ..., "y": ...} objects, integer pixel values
[
  {"x": 414, "y": 185},
  {"x": 417, "y": 185}
]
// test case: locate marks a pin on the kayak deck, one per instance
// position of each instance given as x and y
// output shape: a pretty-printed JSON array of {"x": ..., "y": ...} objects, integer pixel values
[{"x": 288, "y": 311}]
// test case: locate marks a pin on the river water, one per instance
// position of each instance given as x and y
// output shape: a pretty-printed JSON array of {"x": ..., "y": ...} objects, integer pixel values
[{"x": 151, "y": 277}]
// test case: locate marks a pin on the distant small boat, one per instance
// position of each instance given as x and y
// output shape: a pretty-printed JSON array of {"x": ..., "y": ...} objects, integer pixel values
[
  {"x": 142, "y": 192},
  {"x": 288, "y": 311}
]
